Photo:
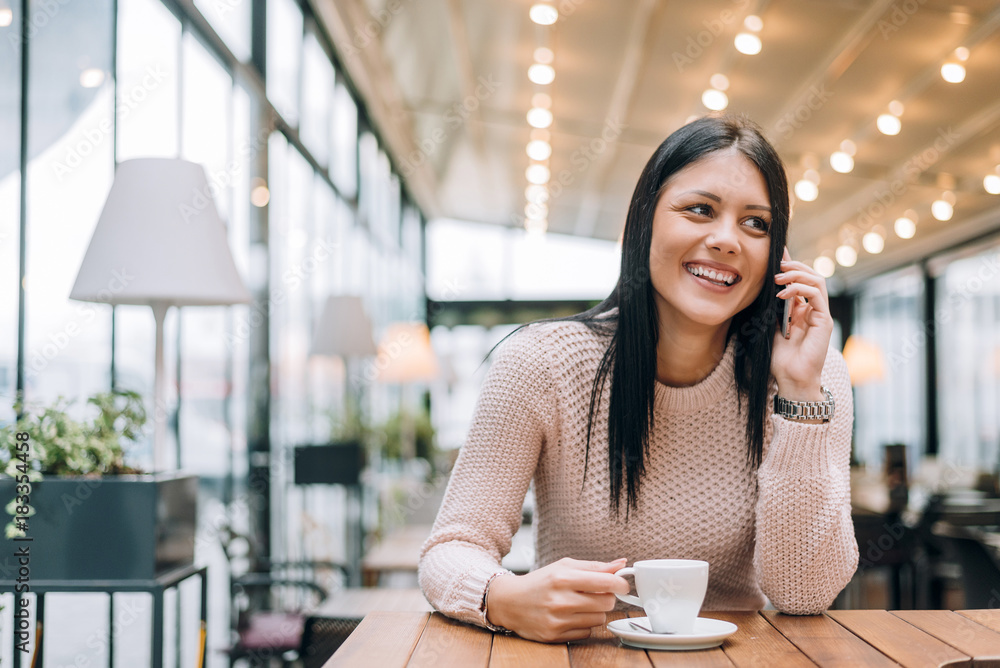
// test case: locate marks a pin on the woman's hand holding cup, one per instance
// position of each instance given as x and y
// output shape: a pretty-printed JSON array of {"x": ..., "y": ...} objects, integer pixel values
[{"x": 556, "y": 603}]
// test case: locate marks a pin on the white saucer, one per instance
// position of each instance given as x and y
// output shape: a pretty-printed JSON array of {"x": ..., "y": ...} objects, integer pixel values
[{"x": 707, "y": 633}]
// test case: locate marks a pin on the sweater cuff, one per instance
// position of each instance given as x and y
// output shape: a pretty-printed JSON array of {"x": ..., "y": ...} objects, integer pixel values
[{"x": 799, "y": 449}]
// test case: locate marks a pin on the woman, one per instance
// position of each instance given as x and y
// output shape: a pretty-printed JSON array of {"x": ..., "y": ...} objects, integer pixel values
[{"x": 666, "y": 421}]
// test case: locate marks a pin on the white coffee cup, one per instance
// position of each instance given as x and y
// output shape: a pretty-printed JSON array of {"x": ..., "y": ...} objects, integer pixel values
[{"x": 671, "y": 592}]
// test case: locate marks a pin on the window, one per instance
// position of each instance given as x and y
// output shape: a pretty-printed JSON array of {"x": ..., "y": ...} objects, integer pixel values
[
  {"x": 231, "y": 19},
  {"x": 70, "y": 136},
  {"x": 344, "y": 161},
  {"x": 284, "y": 57},
  {"x": 148, "y": 41},
  {"x": 317, "y": 94},
  {"x": 968, "y": 348},
  {"x": 10, "y": 205},
  {"x": 891, "y": 409}
]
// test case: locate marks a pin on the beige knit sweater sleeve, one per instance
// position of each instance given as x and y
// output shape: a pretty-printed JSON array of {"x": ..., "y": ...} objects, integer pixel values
[
  {"x": 481, "y": 509},
  {"x": 805, "y": 546}
]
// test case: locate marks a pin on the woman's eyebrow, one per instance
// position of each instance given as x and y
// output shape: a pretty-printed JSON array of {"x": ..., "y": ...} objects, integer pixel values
[
  {"x": 761, "y": 207},
  {"x": 703, "y": 194}
]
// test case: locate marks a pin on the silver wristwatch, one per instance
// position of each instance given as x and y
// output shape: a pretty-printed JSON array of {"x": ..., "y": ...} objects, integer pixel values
[{"x": 805, "y": 410}]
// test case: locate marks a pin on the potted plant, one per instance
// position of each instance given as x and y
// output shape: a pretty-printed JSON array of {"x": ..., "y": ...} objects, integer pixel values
[{"x": 91, "y": 516}]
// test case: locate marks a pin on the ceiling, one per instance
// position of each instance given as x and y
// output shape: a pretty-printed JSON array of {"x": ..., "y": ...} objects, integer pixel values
[{"x": 446, "y": 83}]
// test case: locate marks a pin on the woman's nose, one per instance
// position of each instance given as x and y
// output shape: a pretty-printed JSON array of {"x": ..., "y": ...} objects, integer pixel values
[{"x": 723, "y": 237}]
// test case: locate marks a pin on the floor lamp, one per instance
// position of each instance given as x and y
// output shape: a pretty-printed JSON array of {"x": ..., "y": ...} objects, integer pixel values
[
  {"x": 160, "y": 242},
  {"x": 344, "y": 330},
  {"x": 409, "y": 358}
]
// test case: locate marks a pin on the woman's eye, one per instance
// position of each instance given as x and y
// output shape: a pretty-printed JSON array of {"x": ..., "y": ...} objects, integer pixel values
[
  {"x": 701, "y": 209},
  {"x": 758, "y": 224}
]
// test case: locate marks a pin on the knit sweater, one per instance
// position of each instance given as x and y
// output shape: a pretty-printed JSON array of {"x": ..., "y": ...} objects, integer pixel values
[{"x": 782, "y": 531}]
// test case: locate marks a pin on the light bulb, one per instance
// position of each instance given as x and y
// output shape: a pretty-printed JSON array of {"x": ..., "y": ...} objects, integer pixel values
[
  {"x": 873, "y": 242},
  {"x": 536, "y": 211},
  {"x": 824, "y": 266},
  {"x": 714, "y": 99},
  {"x": 719, "y": 81},
  {"x": 942, "y": 210},
  {"x": 841, "y": 162},
  {"x": 537, "y": 174},
  {"x": 539, "y": 150},
  {"x": 6, "y": 17},
  {"x": 541, "y": 100},
  {"x": 848, "y": 147},
  {"x": 807, "y": 191},
  {"x": 888, "y": 124},
  {"x": 260, "y": 196},
  {"x": 543, "y": 14},
  {"x": 544, "y": 55},
  {"x": 536, "y": 194},
  {"x": 896, "y": 108},
  {"x": 753, "y": 23},
  {"x": 541, "y": 74},
  {"x": 539, "y": 118},
  {"x": 747, "y": 43},
  {"x": 953, "y": 72},
  {"x": 846, "y": 255},
  {"x": 905, "y": 227},
  {"x": 991, "y": 183},
  {"x": 92, "y": 77}
]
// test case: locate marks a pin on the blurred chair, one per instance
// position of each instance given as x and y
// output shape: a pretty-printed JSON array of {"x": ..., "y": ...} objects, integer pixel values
[
  {"x": 980, "y": 568},
  {"x": 269, "y": 605},
  {"x": 888, "y": 545}
]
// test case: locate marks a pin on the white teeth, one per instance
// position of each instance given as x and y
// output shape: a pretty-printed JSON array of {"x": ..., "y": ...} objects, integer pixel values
[{"x": 712, "y": 275}]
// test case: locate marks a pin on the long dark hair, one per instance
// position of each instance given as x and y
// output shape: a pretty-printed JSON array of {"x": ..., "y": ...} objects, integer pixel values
[{"x": 630, "y": 358}]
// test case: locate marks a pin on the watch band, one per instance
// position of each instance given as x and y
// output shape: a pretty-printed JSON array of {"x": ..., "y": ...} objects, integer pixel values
[{"x": 806, "y": 410}]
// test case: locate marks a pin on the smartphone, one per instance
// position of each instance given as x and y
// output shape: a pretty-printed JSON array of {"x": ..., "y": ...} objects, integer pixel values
[{"x": 786, "y": 318}]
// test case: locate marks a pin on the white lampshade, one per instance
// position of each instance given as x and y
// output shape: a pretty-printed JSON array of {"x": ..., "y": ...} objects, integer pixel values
[
  {"x": 406, "y": 355},
  {"x": 160, "y": 240},
  {"x": 343, "y": 328}
]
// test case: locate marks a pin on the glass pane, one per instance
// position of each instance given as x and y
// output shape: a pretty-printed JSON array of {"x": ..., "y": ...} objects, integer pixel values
[
  {"x": 148, "y": 42},
  {"x": 284, "y": 57},
  {"x": 70, "y": 142},
  {"x": 231, "y": 19},
  {"x": 205, "y": 123},
  {"x": 10, "y": 203},
  {"x": 344, "y": 169},
  {"x": 317, "y": 94}
]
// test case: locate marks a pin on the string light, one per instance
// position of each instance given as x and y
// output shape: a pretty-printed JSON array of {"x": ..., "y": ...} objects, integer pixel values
[
  {"x": 906, "y": 225},
  {"x": 847, "y": 255},
  {"x": 540, "y": 74},
  {"x": 714, "y": 99},
  {"x": 543, "y": 14},
  {"x": 537, "y": 174},
  {"x": 824, "y": 266},
  {"x": 873, "y": 241}
]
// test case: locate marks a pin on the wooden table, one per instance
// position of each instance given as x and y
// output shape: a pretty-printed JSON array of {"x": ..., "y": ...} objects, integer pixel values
[{"x": 838, "y": 638}]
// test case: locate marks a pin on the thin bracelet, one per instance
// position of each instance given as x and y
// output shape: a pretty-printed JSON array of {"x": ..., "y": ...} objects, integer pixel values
[{"x": 486, "y": 592}]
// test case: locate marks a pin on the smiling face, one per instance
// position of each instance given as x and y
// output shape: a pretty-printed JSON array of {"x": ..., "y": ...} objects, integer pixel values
[{"x": 710, "y": 245}]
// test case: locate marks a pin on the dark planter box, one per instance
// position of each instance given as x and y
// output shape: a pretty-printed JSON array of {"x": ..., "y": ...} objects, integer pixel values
[{"x": 112, "y": 528}]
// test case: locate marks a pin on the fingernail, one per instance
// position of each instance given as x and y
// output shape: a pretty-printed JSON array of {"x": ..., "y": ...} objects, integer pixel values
[{"x": 779, "y": 275}]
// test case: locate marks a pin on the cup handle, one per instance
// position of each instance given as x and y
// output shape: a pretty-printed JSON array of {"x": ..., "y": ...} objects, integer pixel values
[{"x": 628, "y": 598}]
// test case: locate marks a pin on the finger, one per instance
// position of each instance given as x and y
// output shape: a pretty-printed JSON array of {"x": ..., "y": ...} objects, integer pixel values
[
  {"x": 591, "y": 582},
  {"x": 799, "y": 276},
  {"x": 589, "y": 620},
  {"x": 785, "y": 255},
  {"x": 591, "y": 602},
  {"x": 605, "y": 566}
]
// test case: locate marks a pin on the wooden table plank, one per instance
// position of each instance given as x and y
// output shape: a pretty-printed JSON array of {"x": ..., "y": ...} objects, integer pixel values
[
  {"x": 757, "y": 643},
  {"x": 988, "y": 618},
  {"x": 604, "y": 649},
  {"x": 382, "y": 639},
  {"x": 356, "y": 602},
  {"x": 514, "y": 652},
  {"x": 826, "y": 642},
  {"x": 446, "y": 642},
  {"x": 960, "y": 632},
  {"x": 899, "y": 640}
]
